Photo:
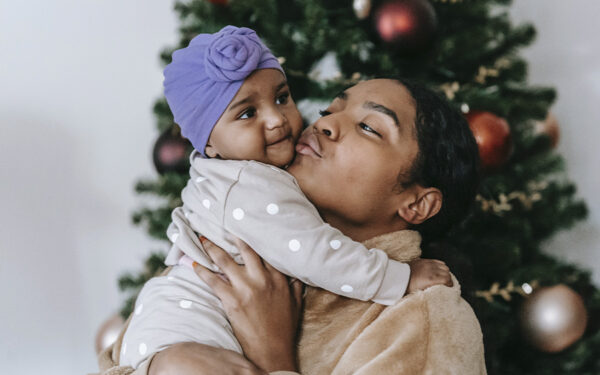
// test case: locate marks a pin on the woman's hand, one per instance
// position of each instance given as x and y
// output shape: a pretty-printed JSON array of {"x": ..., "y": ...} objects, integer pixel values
[{"x": 262, "y": 307}]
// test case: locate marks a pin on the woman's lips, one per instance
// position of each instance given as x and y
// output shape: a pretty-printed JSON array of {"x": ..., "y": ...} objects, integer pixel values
[{"x": 309, "y": 145}]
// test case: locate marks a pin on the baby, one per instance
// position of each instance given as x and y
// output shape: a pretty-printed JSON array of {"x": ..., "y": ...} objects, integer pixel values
[{"x": 230, "y": 97}]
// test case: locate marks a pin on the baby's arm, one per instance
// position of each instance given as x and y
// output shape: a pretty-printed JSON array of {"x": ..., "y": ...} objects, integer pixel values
[
  {"x": 267, "y": 210},
  {"x": 285, "y": 228}
]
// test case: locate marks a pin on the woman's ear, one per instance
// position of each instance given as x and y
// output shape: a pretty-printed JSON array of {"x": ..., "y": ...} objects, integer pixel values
[
  {"x": 425, "y": 203},
  {"x": 211, "y": 152}
]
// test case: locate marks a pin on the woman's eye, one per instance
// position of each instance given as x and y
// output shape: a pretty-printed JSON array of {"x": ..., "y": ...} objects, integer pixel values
[
  {"x": 250, "y": 112},
  {"x": 324, "y": 113},
  {"x": 367, "y": 128},
  {"x": 283, "y": 98}
]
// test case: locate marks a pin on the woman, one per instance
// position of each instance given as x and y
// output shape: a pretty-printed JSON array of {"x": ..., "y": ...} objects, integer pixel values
[{"x": 382, "y": 166}]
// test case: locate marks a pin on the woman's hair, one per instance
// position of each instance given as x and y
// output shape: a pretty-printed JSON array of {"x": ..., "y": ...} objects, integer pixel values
[{"x": 448, "y": 158}]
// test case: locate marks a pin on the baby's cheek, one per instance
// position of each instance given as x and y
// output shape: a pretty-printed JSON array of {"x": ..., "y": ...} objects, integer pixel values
[
  {"x": 296, "y": 124},
  {"x": 249, "y": 145},
  {"x": 282, "y": 157},
  {"x": 251, "y": 152}
]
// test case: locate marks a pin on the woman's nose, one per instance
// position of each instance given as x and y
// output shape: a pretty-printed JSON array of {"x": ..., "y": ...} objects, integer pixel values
[{"x": 327, "y": 126}]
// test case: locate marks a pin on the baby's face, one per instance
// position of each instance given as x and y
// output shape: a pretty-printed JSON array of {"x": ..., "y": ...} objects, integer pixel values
[{"x": 261, "y": 123}]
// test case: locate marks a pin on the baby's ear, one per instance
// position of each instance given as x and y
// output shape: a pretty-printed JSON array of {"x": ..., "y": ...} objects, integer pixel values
[{"x": 211, "y": 152}]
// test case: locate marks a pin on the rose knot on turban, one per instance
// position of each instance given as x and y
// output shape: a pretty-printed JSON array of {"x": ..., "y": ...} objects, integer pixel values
[{"x": 233, "y": 54}]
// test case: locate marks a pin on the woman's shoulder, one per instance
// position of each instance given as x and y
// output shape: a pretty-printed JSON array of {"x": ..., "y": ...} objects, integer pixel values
[
  {"x": 447, "y": 316},
  {"x": 445, "y": 304},
  {"x": 454, "y": 333}
]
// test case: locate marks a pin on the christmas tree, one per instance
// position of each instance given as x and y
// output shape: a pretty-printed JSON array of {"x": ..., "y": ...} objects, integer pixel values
[{"x": 467, "y": 50}]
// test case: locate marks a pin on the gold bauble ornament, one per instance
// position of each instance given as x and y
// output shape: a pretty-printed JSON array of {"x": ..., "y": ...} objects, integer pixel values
[
  {"x": 362, "y": 8},
  {"x": 108, "y": 332},
  {"x": 553, "y": 318},
  {"x": 548, "y": 127}
]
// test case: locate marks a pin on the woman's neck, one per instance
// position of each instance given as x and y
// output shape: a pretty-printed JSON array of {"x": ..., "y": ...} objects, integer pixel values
[{"x": 363, "y": 231}]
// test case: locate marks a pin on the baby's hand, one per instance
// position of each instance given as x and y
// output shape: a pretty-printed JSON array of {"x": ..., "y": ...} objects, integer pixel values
[{"x": 427, "y": 272}]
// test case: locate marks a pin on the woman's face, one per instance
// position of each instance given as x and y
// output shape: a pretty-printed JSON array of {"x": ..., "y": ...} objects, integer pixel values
[
  {"x": 348, "y": 161},
  {"x": 261, "y": 123}
]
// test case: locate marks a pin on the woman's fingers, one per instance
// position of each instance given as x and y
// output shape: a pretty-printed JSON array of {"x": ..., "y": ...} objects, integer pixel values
[
  {"x": 216, "y": 283},
  {"x": 253, "y": 262},
  {"x": 257, "y": 267},
  {"x": 269, "y": 267},
  {"x": 297, "y": 290},
  {"x": 223, "y": 260}
]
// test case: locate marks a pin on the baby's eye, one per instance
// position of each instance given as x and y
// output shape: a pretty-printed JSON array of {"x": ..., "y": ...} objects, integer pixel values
[
  {"x": 283, "y": 98},
  {"x": 324, "y": 113},
  {"x": 367, "y": 128},
  {"x": 250, "y": 112}
]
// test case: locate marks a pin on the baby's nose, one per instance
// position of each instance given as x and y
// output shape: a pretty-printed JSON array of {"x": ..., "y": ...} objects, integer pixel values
[{"x": 274, "y": 119}]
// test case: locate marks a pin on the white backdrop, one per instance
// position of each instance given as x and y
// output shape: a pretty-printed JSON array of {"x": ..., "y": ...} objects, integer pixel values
[
  {"x": 566, "y": 56},
  {"x": 77, "y": 83}
]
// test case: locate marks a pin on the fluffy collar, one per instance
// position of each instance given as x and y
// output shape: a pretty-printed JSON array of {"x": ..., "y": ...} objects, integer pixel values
[{"x": 403, "y": 245}]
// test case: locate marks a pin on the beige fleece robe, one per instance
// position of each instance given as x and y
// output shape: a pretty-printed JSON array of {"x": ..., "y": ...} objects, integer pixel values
[{"x": 430, "y": 332}]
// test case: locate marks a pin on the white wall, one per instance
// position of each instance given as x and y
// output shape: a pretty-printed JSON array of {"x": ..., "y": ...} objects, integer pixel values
[
  {"x": 77, "y": 82},
  {"x": 566, "y": 56}
]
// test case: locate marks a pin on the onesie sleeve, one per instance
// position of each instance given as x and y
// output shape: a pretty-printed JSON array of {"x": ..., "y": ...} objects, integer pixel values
[{"x": 266, "y": 209}]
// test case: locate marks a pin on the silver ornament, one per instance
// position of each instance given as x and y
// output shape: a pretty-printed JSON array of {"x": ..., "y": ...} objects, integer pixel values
[
  {"x": 108, "y": 332},
  {"x": 553, "y": 318},
  {"x": 362, "y": 8},
  {"x": 326, "y": 69},
  {"x": 309, "y": 108}
]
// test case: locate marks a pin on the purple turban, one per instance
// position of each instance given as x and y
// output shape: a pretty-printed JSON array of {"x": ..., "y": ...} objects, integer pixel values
[{"x": 204, "y": 77}]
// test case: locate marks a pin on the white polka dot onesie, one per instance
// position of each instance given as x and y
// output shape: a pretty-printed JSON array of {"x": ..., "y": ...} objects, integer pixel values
[{"x": 264, "y": 206}]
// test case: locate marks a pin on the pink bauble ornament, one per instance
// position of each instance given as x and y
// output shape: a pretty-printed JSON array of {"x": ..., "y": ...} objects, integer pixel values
[
  {"x": 170, "y": 153},
  {"x": 553, "y": 318}
]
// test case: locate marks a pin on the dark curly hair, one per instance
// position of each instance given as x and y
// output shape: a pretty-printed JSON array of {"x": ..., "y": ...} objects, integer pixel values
[{"x": 448, "y": 158}]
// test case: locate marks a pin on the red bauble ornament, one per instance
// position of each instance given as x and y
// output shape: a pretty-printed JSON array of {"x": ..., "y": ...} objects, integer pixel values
[
  {"x": 549, "y": 127},
  {"x": 492, "y": 134},
  {"x": 171, "y": 152},
  {"x": 409, "y": 24},
  {"x": 219, "y": 2}
]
